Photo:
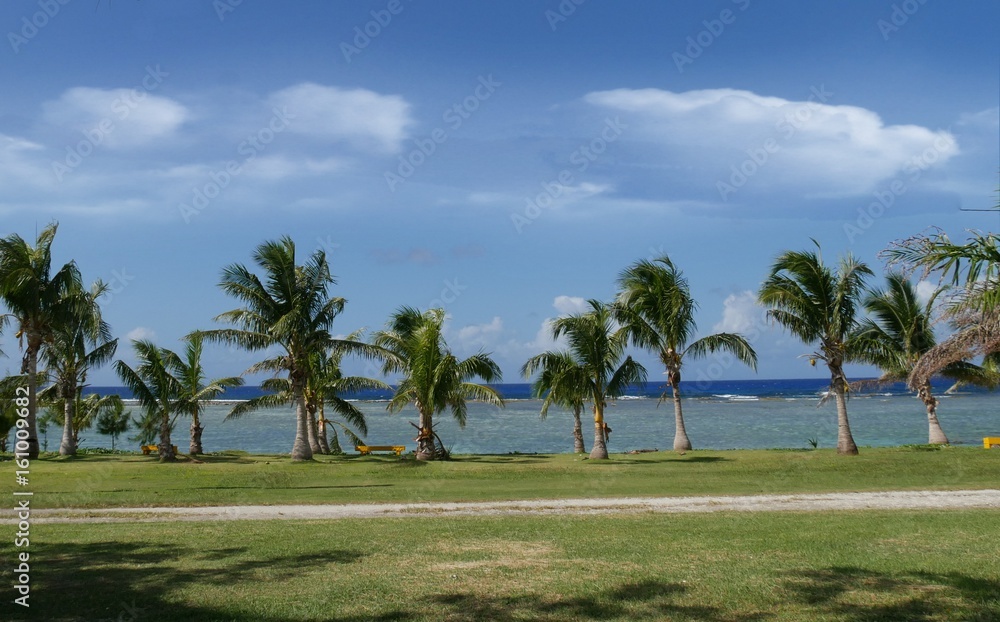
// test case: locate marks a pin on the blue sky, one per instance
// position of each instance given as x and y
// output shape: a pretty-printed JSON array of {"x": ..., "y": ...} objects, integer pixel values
[{"x": 503, "y": 160}]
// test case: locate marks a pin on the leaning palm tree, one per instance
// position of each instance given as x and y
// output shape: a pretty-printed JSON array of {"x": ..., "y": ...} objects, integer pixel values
[
  {"x": 599, "y": 348},
  {"x": 195, "y": 390},
  {"x": 80, "y": 343},
  {"x": 35, "y": 299},
  {"x": 155, "y": 388},
  {"x": 656, "y": 310},
  {"x": 972, "y": 272},
  {"x": 820, "y": 305},
  {"x": 433, "y": 378},
  {"x": 899, "y": 332},
  {"x": 562, "y": 382},
  {"x": 289, "y": 309}
]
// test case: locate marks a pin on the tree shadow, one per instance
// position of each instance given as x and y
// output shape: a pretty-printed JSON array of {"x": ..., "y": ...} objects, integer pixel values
[
  {"x": 905, "y": 596},
  {"x": 503, "y": 458}
]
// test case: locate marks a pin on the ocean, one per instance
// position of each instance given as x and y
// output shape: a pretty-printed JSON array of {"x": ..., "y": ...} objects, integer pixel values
[{"x": 733, "y": 414}]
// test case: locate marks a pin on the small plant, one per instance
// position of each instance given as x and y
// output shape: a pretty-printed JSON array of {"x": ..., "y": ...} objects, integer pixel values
[{"x": 814, "y": 442}]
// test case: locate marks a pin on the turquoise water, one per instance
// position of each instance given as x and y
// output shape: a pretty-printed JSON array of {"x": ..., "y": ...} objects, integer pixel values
[{"x": 714, "y": 421}]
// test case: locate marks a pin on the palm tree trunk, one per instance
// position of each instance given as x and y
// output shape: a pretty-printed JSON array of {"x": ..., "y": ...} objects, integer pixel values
[
  {"x": 935, "y": 435},
  {"x": 313, "y": 429},
  {"x": 301, "y": 449},
  {"x": 196, "y": 430},
  {"x": 681, "y": 441},
  {"x": 600, "y": 449},
  {"x": 845, "y": 440},
  {"x": 166, "y": 449},
  {"x": 324, "y": 446},
  {"x": 578, "y": 432},
  {"x": 30, "y": 367},
  {"x": 425, "y": 437},
  {"x": 68, "y": 445}
]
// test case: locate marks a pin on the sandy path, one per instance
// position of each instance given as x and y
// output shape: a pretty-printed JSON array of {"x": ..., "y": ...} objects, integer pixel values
[{"x": 951, "y": 499}]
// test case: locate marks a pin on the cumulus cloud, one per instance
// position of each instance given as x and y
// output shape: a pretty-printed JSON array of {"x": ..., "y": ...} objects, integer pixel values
[
  {"x": 476, "y": 336},
  {"x": 141, "y": 332},
  {"x": 121, "y": 118},
  {"x": 358, "y": 116},
  {"x": 829, "y": 148},
  {"x": 740, "y": 314},
  {"x": 569, "y": 305},
  {"x": 925, "y": 289}
]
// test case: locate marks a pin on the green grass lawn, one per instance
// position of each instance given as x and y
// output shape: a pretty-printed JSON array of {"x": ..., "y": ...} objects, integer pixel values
[
  {"x": 117, "y": 481},
  {"x": 732, "y": 566}
]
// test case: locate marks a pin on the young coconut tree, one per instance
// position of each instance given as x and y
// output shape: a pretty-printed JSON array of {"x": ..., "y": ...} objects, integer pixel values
[
  {"x": 562, "y": 382},
  {"x": 35, "y": 299},
  {"x": 195, "y": 391},
  {"x": 599, "y": 348},
  {"x": 820, "y": 305},
  {"x": 155, "y": 388},
  {"x": 656, "y": 310},
  {"x": 899, "y": 332},
  {"x": 433, "y": 378},
  {"x": 114, "y": 422}
]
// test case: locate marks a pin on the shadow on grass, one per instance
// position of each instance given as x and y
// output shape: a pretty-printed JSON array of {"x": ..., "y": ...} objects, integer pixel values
[
  {"x": 503, "y": 458},
  {"x": 858, "y": 594}
]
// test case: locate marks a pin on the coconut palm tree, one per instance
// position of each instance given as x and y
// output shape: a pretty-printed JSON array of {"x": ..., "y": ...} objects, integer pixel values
[
  {"x": 820, "y": 305},
  {"x": 656, "y": 310},
  {"x": 433, "y": 378},
  {"x": 36, "y": 300},
  {"x": 195, "y": 391},
  {"x": 81, "y": 342},
  {"x": 158, "y": 392},
  {"x": 114, "y": 421},
  {"x": 562, "y": 382},
  {"x": 899, "y": 332},
  {"x": 599, "y": 348},
  {"x": 972, "y": 272}
]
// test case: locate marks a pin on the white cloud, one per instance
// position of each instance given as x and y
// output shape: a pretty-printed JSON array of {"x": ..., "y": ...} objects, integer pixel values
[
  {"x": 141, "y": 332},
  {"x": 570, "y": 305},
  {"x": 828, "y": 149},
  {"x": 925, "y": 289},
  {"x": 740, "y": 314},
  {"x": 359, "y": 116},
  {"x": 116, "y": 118},
  {"x": 476, "y": 336},
  {"x": 278, "y": 167}
]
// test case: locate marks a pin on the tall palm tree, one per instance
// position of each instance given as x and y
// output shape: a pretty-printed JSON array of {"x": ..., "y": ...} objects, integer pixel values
[
  {"x": 899, "y": 332},
  {"x": 155, "y": 388},
  {"x": 195, "y": 390},
  {"x": 289, "y": 309},
  {"x": 599, "y": 348},
  {"x": 656, "y": 310},
  {"x": 80, "y": 343},
  {"x": 562, "y": 382},
  {"x": 972, "y": 271},
  {"x": 433, "y": 378},
  {"x": 820, "y": 305},
  {"x": 36, "y": 300}
]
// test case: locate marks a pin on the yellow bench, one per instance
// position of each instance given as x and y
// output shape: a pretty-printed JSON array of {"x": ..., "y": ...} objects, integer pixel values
[
  {"x": 148, "y": 449},
  {"x": 991, "y": 441},
  {"x": 365, "y": 450}
]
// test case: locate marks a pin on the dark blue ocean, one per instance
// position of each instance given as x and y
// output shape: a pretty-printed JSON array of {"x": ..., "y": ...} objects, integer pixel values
[{"x": 730, "y": 414}]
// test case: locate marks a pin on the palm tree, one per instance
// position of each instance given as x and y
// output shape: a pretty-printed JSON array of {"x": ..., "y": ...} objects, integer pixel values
[
  {"x": 114, "y": 421},
  {"x": 817, "y": 304},
  {"x": 972, "y": 270},
  {"x": 158, "y": 392},
  {"x": 599, "y": 348},
  {"x": 194, "y": 389},
  {"x": 290, "y": 309},
  {"x": 562, "y": 382},
  {"x": 36, "y": 300},
  {"x": 433, "y": 377},
  {"x": 80, "y": 343},
  {"x": 895, "y": 338},
  {"x": 656, "y": 310}
]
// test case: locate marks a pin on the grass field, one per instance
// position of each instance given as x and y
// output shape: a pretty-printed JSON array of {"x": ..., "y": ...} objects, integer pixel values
[{"x": 119, "y": 481}]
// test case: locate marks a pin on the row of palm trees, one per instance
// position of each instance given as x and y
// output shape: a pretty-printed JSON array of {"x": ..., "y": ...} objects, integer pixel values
[{"x": 286, "y": 312}]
